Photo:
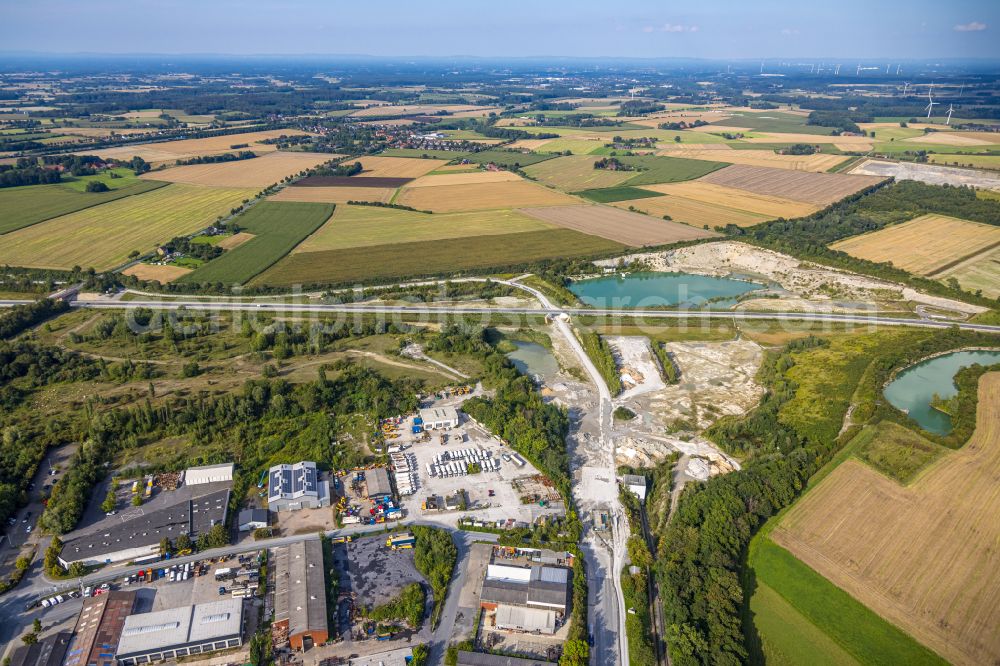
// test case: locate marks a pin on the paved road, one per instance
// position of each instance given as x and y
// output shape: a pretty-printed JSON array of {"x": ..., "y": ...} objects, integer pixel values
[{"x": 694, "y": 315}]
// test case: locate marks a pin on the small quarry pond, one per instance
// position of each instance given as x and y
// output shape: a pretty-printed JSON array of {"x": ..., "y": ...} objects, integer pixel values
[
  {"x": 913, "y": 389},
  {"x": 638, "y": 290},
  {"x": 533, "y": 359}
]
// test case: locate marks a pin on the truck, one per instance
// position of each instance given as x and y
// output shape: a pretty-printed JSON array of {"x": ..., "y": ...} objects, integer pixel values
[
  {"x": 400, "y": 541},
  {"x": 394, "y": 514},
  {"x": 224, "y": 574},
  {"x": 135, "y": 487},
  {"x": 242, "y": 594},
  {"x": 518, "y": 460},
  {"x": 350, "y": 520}
]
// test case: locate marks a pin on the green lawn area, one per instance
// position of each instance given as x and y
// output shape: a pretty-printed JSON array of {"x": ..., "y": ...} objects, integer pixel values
[
  {"x": 668, "y": 169},
  {"x": 860, "y": 633},
  {"x": 125, "y": 178},
  {"x": 31, "y": 204},
  {"x": 277, "y": 226},
  {"x": 610, "y": 194},
  {"x": 435, "y": 154},
  {"x": 506, "y": 158},
  {"x": 895, "y": 451}
]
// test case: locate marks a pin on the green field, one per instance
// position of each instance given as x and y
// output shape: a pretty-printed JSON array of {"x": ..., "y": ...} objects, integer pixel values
[
  {"x": 506, "y": 158},
  {"x": 862, "y": 634},
  {"x": 31, "y": 204},
  {"x": 277, "y": 226},
  {"x": 772, "y": 121},
  {"x": 977, "y": 161},
  {"x": 413, "y": 152},
  {"x": 403, "y": 260},
  {"x": 610, "y": 194},
  {"x": 669, "y": 169},
  {"x": 895, "y": 451},
  {"x": 125, "y": 177},
  {"x": 574, "y": 146},
  {"x": 913, "y": 146},
  {"x": 359, "y": 226},
  {"x": 571, "y": 173}
]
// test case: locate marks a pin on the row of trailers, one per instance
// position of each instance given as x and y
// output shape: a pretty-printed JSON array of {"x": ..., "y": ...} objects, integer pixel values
[
  {"x": 404, "y": 468},
  {"x": 456, "y": 463}
]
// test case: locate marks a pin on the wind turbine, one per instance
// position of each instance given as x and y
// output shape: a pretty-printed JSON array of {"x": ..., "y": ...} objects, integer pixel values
[
  {"x": 858, "y": 73},
  {"x": 887, "y": 69},
  {"x": 906, "y": 84},
  {"x": 951, "y": 107},
  {"x": 898, "y": 67},
  {"x": 836, "y": 72},
  {"x": 930, "y": 101},
  {"x": 761, "y": 66}
]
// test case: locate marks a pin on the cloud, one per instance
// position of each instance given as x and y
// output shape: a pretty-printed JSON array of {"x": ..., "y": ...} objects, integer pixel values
[
  {"x": 972, "y": 26},
  {"x": 672, "y": 27},
  {"x": 789, "y": 31},
  {"x": 648, "y": 28}
]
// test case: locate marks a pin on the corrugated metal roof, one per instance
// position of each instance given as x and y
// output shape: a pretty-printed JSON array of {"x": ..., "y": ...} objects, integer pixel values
[
  {"x": 300, "y": 587},
  {"x": 377, "y": 481}
]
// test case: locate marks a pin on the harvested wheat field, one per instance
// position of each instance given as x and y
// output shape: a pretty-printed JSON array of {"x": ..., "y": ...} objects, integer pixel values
[
  {"x": 436, "y": 180},
  {"x": 481, "y": 196},
  {"x": 334, "y": 194},
  {"x": 926, "y": 245},
  {"x": 397, "y": 167},
  {"x": 617, "y": 225},
  {"x": 957, "y": 138},
  {"x": 170, "y": 151},
  {"x": 923, "y": 556},
  {"x": 731, "y": 197},
  {"x": 229, "y": 242},
  {"x": 764, "y": 158},
  {"x": 161, "y": 274},
  {"x": 257, "y": 172},
  {"x": 575, "y": 173},
  {"x": 981, "y": 271},
  {"x": 822, "y": 189},
  {"x": 529, "y": 144},
  {"x": 695, "y": 213},
  {"x": 672, "y": 149},
  {"x": 366, "y": 226},
  {"x": 781, "y": 137}
]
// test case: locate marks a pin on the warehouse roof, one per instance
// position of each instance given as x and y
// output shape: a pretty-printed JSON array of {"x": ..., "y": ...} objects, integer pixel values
[
  {"x": 99, "y": 627},
  {"x": 292, "y": 481},
  {"x": 485, "y": 659},
  {"x": 525, "y": 586},
  {"x": 195, "y": 511},
  {"x": 253, "y": 516},
  {"x": 209, "y": 473},
  {"x": 174, "y": 627},
  {"x": 48, "y": 650},
  {"x": 300, "y": 587},
  {"x": 435, "y": 414},
  {"x": 377, "y": 481},
  {"x": 527, "y": 619}
]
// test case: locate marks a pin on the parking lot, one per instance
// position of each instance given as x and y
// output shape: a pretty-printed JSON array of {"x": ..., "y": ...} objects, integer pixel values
[{"x": 492, "y": 494}]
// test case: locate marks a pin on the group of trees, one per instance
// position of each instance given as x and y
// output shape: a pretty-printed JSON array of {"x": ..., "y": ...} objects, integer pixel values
[
  {"x": 190, "y": 248},
  {"x": 840, "y": 121},
  {"x": 599, "y": 351},
  {"x": 215, "y": 159},
  {"x": 407, "y": 606},
  {"x": 19, "y": 318},
  {"x": 612, "y": 164},
  {"x": 434, "y": 557}
]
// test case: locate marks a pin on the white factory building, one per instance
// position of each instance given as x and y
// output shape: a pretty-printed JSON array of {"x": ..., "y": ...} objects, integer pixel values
[
  {"x": 179, "y": 632},
  {"x": 194, "y": 476},
  {"x": 298, "y": 486},
  {"x": 439, "y": 418}
]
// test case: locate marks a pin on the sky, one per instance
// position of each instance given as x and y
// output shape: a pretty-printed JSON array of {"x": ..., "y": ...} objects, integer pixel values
[{"x": 719, "y": 29}]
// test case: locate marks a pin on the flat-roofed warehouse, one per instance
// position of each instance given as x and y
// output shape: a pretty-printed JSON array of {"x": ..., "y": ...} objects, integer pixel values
[
  {"x": 300, "y": 594},
  {"x": 179, "y": 632},
  {"x": 438, "y": 418},
  {"x": 136, "y": 533},
  {"x": 47, "y": 651},
  {"x": 99, "y": 628},
  {"x": 298, "y": 486},
  {"x": 208, "y": 474},
  {"x": 377, "y": 483},
  {"x": 466, "y": 658},
  {"x": 536, "y": 586}
]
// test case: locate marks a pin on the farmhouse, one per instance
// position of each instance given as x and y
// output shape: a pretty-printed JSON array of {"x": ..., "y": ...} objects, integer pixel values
[
  {"x": 300, "y": 594},
  {"x": 439, "y": 418},
  {"x": 194, "y": 476},
  {"x": 191, "y": 510},
  {"x": 298, "y": 486},
  {"x": 178, "y": 632}
]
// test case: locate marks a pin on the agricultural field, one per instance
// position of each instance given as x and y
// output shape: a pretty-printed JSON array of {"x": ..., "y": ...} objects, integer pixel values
[
  {"x": 694, "y": 212},
  {"x": 162, "y": 274},
  {"x": 981, "y": 272},
  {"x": 360, "y": 226},
  {"x": 505, "y": 158},
  {"x": 102, "y": 236},
  {"x": 612, "y": 194},
  {"x": 575, "y": 146},
  {"x": 927, "y": 245},
  {"x": 897, "y": 452},
  {"x": 258, "y": 172},
  {"x": 909, "y": 553},
  {"x": 817, "y": 162},
  {"x": 974, "y": 161},
  {"x": 473, "y": 178},
  {"x": 770, "y": 206},
  {"x": 377, "y": 166},
  {"x": 631, "y": 229},
  {"x": 576, "y": 172},
  {"x": 957, "y": 139},
  {"x": 31, "y": 204},
  {"x": 168, "y": 152},
  {"x": 277, "y": 228},
  {"x": 229, "y": 242},
  {"x": 419, "y": 153},
  {"x": 426, "y": 258},
  {"x": 769, "y": 121},
  {"x": 821, "y": 189},
  {"x": 336, "y": 195},
  {"x": 483, "y": 196},
  {"x": 668, "y": 169}
]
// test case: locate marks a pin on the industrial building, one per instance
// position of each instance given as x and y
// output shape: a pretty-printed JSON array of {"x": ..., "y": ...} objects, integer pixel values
[
  {"x": 526, "y": 598},
  {"x": 253, "y": 519},
  {"x": 635, "y": 484},
  {"x": 99, "y": 628},
  {"x": 48, "y": 651},
  {"x": 377, "y": 483},
  {"x": 439, "y": 418},
  {"x": 300, "y": 594},
  {"x": 178, "y": 632},
  {"x": 135, "y": 534},
  {"x": 466, "y": 658},
  {"x": 194, "y": 476},
  {"x": 298, "y": 486}
]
